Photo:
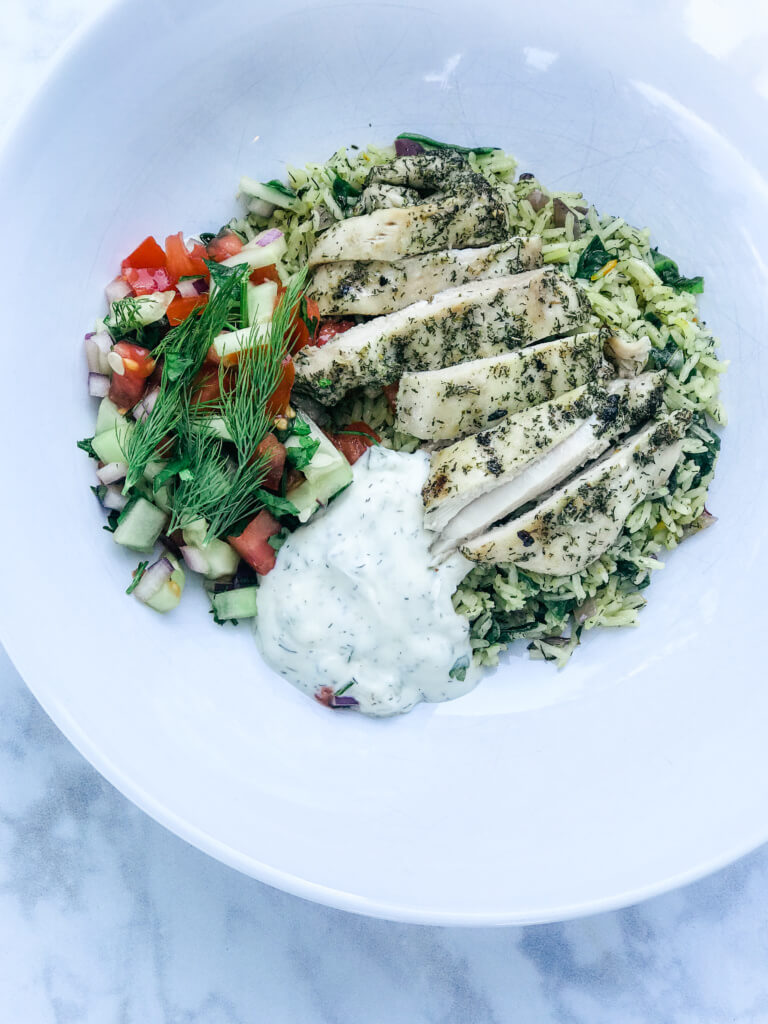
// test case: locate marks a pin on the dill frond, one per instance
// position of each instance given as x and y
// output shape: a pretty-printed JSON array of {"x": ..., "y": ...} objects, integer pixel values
[
  {"x": 222, "y": 488},
  {"x": 183, "y": 349}
]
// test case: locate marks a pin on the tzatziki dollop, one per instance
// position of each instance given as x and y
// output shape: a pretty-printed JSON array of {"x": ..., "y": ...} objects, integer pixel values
[{"x": 353, "y": 605}]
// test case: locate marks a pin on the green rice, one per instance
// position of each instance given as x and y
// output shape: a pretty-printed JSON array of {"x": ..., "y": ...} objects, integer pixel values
[{"x": 501, "y": 602}]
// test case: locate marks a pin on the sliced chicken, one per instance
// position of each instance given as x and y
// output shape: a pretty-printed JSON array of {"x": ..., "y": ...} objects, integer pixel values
[
  {"x": 471, "y": 321},
  {"x": 430, "y": 172},
  {"x": 470, "y": 218},
  {"x": 480, "y": 480},
  {"x": 377, "y": 287},
  {"x": 459, "y": 400},
  {"x": 385, "y": 197},
  {"x": 579, "y": 521}
]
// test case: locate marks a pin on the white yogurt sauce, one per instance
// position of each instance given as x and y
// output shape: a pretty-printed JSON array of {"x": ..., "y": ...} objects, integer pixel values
[{"x": 352, "y": 598}]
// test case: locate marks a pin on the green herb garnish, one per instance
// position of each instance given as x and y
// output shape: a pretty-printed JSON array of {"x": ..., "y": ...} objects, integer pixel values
[
  {"x": 669, "y": 273},
  {"x": 183, "y": 350},
  {"x": 278, "y": 186},
  {"x": 344, "y": 193},
  {"x": 300, "y": 456},
  {"x": 276, "y": 505},
  {"x": 593, "y": 259},
  {"x": 141, "y": 568},
  {"x": 459, "y": 670},
  {"x": 428, "y": 143},
  {"x": 222, "y": 480},
  {"x": 86, "y": 446}
]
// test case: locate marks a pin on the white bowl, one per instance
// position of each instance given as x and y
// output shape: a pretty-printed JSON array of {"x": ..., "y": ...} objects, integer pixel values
[{"x": 542, "y": 794}]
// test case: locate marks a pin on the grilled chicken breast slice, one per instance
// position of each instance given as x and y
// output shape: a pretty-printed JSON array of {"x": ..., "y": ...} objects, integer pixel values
[
  {"x": 471, "y": 321},
  {"x": 579, "y": 521},
  {"x": 468, "y": 218},
  {"x": 385, "y": 197},
  {"x": 375, "y": 287},
  {"x": 429, "y": 172},
  {"x": 459, "y": 400},
  {"x": 480, "y": 480}
]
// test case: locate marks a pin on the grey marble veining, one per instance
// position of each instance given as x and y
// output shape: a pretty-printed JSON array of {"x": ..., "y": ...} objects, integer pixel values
[{"x": 106, "y": 917}]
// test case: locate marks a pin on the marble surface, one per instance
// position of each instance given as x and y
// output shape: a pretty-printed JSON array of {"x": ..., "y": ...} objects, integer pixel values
[{"x": 106, "y": 917}]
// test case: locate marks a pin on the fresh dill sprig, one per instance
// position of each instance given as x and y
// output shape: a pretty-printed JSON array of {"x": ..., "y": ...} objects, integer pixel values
[
  {"x": 228, "y": 490},
  {"x": 244, "y": 408},
  {"x": 183, "y": 350}
]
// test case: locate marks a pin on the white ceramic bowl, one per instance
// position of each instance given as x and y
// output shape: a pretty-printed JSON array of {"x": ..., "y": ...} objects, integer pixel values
[{"x": 542, "y": 794}]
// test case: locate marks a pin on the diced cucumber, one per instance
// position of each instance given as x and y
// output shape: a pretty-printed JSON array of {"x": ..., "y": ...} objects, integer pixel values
[
  {"x": 169, "y": 595},
  {"x": 107, "y": 416},
  {"x": 162, "y": 498},
  {"x": 260, "y": 300},
  {"x": 139, "y": 526},
  {"x": 144, "y": 309},
  {"x": 256, "y": 254},
  {"x": 213, "y": 425},
  {"x": 275, "y": 194},
  {"x": 152, "y": 469},
  {"x": 327, "y": 474},
  {"x": 109, "y": 445},
  {"x": 221, "y": 558},
  {"x": 235, "y": 604},
  {"x": 260, "y": 304}
]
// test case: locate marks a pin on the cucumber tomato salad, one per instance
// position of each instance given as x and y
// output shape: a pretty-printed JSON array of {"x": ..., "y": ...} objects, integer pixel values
[{"x": 408, "y": 409}]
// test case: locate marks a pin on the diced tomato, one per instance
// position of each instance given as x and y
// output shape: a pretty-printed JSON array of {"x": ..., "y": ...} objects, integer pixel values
[
  {"x": 156, "y": 376},
  {"x": 181, "y": 307},
  {"x": 165, "y": 448},
  {"x": 126, "y": 388},
  {"x": 300, "y": 335},
  {"x": 183, "y": 263},
  {"x": 148, "y": 255},
  {"x": 330, "y": 329},
  {"x": 390, "y": 393},
  {"x": 253, "y": 543},
  {"x": 281, "y": 396},
  {"x": 136, "y": 360},
  {"x": 224, "y": 245},
  {"x": 207, "y": 384},
  {"x": 262, "y": 274},
  {"x": 354, "y": 440},
  {"x": 275, "y": 453},
  {"x": 145, "y": 281}
]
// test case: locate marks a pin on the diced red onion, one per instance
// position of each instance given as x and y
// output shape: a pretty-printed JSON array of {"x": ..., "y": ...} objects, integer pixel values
[
  {"x": 117, "y": 289},
  {"x": 195, "y": 559},
  {"x": 537, "y": 199},
  {"x": 560, "y": 213},
  {"x": 267, "y": 237},
  {"x": 408, "y": 147},
  {"x": 90, "y": 334},
  {"x": 97, "y": 346},
  {"x": 344, "y": 702},
  {"x": 143, "y": 408},
  {"x": 98, "y": 385},
  {"x": 153, "y": 580},
  {"x": 201, "y": 285},
  {"x": 187, "y": 288},
  {"x": 114, "y": 499},
  {"x": 261, "y": 207},
  {"x": 111, "y": 472},
  {"x": 586, "y": 610}
]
